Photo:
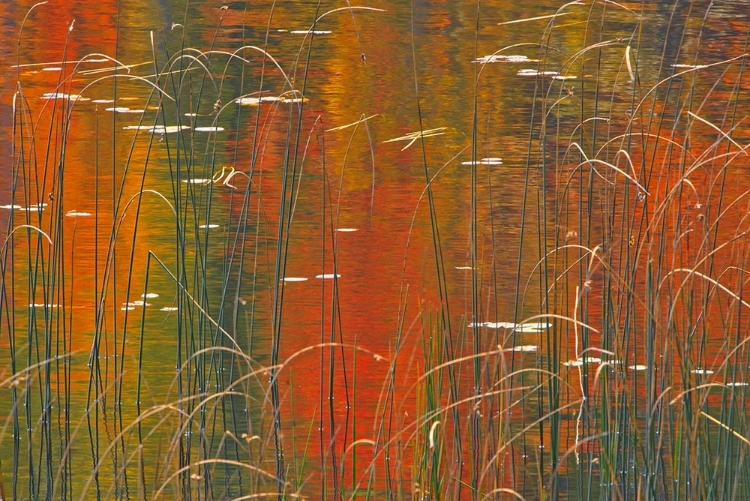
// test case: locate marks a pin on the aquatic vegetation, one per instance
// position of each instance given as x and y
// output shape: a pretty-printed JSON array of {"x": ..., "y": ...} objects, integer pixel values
[{"x": 565, "y": 322}]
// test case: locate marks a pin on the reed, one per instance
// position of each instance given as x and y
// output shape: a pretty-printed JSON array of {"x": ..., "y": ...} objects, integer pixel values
[{"x": 585, "y": 339}]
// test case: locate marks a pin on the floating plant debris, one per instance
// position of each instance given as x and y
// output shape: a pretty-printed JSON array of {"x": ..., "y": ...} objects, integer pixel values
[
  {"x": 413, "y": 136},
  {"x": 43, "y": 305},
  {"x": 347, "y": 230},
  {"x": 255, "y": 101},
  {"x": 34, "y": 208},
  {"x": 197, "y": 180},
  {"x": 103, "y": 101},
  {"x": 158, "y": 129},
  {"x": 294, "y": 279},
  {"x": 328, "y": 276},
  {"x": 485, "y": 161},
  {"x": 533, "y": 73},
  {"x": 139, "y": 302},
  {"x": 127, "y": 308},
  {"x": 582, "y": 361},
  {"x": 209, "y": 129},
  {"x": 564, "y": 77},
  {"x": 702, "y": 372},
  {"x": 150, "y": 295},
  {"x": 494, "y": 325},
  {"x": 736, "y": 384},
  {"x": 75, "y": 213},
  {"x": 637, "y": 367},
  {"x": 208, "y": 226},
  {"x": 123, "y": 109},
  {"x": 689, "y": 66},
  {"x": 310, "y": 32},
  {"x": 524, "y": 348},
  {"x": 31, "y": 208},
  {"x": 62, "y": 95},
  {"x": 464, "y": 268},
  {"x": 169, "y": 308},
  {"x": 294, "y": 100},
  {"x": 52, "y": 68},
  {"x": 503, "y": 58},
  {"x": 535, "y": 327}
]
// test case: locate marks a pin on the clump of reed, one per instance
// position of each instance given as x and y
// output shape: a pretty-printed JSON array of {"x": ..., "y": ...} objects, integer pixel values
[{"x": 629, "y": 281}]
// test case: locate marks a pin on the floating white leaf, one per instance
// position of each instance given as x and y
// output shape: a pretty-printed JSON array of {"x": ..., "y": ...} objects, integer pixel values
[
  {"x": 328, "y": 276},
  {"x": 582, "y": 361},
  {"x": 503, "y": 58},
  {"x": 62, "y": 95},
  {"x": 255, "y": 101},
  {"x": 485, "y": 161},
  {"x": 533, "y": 73},
  {"x": 524, "y": 348},
  {"x": 312, "y": 32},
  {"x": 702, "y": 372},
  {"x": 123, "y": 109}
]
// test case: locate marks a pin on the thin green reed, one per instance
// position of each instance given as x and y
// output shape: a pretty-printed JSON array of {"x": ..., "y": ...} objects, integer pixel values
[{"x": 445, "y": 319}]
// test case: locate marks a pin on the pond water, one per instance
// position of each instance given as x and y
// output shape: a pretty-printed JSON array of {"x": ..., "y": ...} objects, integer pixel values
[{"x": 281, "y": 255}]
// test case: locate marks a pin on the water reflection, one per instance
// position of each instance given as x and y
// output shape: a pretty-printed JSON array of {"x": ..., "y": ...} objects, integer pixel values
[{"x": 244, "y": 212}]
